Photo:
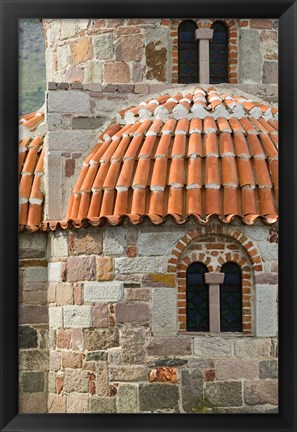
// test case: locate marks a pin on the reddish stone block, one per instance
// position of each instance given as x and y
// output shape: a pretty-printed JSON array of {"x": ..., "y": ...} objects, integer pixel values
[
  {"x": 81, "y": 268},
  {"x": 163, "y": 374},
  {"x": 209, "y": 375},
  {"x": 131, "y": 312},
  {"x": 100, "y": 315}
]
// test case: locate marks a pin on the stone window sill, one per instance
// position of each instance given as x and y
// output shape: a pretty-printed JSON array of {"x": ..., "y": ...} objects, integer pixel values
[{"x": 223, "y": 334}]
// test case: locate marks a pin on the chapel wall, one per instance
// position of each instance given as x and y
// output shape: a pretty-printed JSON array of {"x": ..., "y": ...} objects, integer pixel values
[
  {"x": 127, "y": 51},
  {"x": 113, "y": 311},
  {"x": 33, "y": 323}
]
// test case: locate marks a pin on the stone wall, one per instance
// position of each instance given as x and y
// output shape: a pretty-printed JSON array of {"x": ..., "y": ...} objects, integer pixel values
[
  {"x": 115, "y": 345},
  {"x": 33, "y": 323},
  {"x": 146, "y": 50},
  {"x": 75, "y": 113}
]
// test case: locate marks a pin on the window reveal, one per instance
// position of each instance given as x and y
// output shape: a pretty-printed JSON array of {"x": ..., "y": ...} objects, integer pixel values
[
  {"x": 231, "y": 299},
  {"x": 218, "y": 54},
  {"x": 197, "y": 298},
  {"x": 187, "y": 53}
]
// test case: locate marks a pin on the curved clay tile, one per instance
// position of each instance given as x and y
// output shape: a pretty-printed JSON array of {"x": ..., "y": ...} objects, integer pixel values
[
  {"x": 199, "y": 153},
  {"x": 31, "y": 161}
]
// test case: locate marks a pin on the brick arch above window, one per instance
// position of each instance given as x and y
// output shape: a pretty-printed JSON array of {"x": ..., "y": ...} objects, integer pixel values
[{"x": 216, "y": 230}]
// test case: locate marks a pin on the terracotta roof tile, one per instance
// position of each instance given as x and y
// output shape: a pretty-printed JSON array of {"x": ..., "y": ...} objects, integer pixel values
[
  {"x": 31, "y": 162},
  {"x": 197, "y": 153}
]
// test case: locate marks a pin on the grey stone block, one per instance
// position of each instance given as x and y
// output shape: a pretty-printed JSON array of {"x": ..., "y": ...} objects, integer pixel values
[
  {"x": 68, "y": 102},
  {"x": 266, "y": 310},
  {"x": 156, "y": 397},
  {"x": 268, "y": 369},
  {"x": 97, "y": 356},
  {"x": 164, "y": 312},
  {"x": 103, "y": 405},
  {"x": 127, "y": 398},
  {"x": 224, "y": 394},
  {"x": 86, "y": 122},
  {"x": 32, "y": 382},
  {"x": 250, "y": 61},
  {"x": 27, "y": 337},
  {"x": 191, "y": 389}
]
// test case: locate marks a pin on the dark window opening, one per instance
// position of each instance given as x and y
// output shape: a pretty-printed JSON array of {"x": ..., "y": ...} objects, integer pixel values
[
  {"x": 218, "y": 54},
  {"x": 231, "y": 299},
  {"x": 187, "y": 53},
  {"x": 197, "y": 298}
]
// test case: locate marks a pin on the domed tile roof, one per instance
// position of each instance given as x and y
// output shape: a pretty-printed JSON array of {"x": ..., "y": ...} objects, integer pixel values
[
  {"x": 31, "y": 157},
  {"x": 197, "y": 153}
]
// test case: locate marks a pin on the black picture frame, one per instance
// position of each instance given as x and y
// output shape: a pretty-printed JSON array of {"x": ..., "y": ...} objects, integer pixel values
[{"x": 286, "y": 12}]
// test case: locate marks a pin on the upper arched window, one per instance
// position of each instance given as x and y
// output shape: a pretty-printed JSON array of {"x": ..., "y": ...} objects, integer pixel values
[
  {"x": 218, "y": 54},
  {"x": 197, "y": 298},
  {"x": 231, "y": 299},
  {"x": 187, "y": 53}
]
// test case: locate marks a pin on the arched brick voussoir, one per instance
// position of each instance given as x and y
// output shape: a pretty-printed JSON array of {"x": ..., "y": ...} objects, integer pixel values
[{"x": 217, "y": 230}]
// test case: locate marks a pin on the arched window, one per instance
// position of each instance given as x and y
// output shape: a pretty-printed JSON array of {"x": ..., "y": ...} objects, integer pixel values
[
  {"x": 197, "y": 298},
  {"x": 231, "y": 299},
  {"x": 218, "y": 54},
  {"x": 187, "y": 53}
]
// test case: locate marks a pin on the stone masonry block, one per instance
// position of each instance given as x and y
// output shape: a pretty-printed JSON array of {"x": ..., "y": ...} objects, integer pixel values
[
  {"x": 268, "y": 369},
  {"x": 77, "y": 403},
  {"x": 103, "y": 46},
  {"x": 33, "y": 403},
  {"x": 35, "y": 274},
  {"x": 212, "y": 347},
  {"x": 32, "y": 382},
  {"x": 118, "y": 72},
  {"x": 261, "y": 392},
  {"x": 141, "y": 265},
  {"x": 266, "y": 310},
  {"x": 114, "y": 241},
  {"x": 127, "y": 398},
  {"x": 59, "y": 245},
  {"x": 55, "y": 271},
  {"x": 32, "y": 245},
  {"x": 132, "y": 341},
  {"x": 228, "y": 393},
  {"x": 85, "y": 242},
  {"x": 103, "y": 405},
  {"x": 105, "y": 268},
  {"x": 70, "y": 101},
  {"x": 103, "y": 291},
  {"x": 164, "y": 312},
  {"x": 236, "y": 369},
  {"x": 77, "y": 316},
  {"x": 157, "y": 243},
  {"x": 27, "y": 337},
  {"x": 252, "y": 348},
  {"x": 100, "y": 339},
  {"x": 81, "y": 268},
  {"x": 64, "y": 294},
  {"x": 191, "y": 389},
  {"x": 132, "y": 312},
  {"x": 169, "y": 346},
  {"x": 56, "y": 403},
  {"x": 155, "y": 397},
  {"x": 251, "y": 58},
  {"x": 76, "y": 380},
  {"x": 33, "y": 360},
  {"x": 55, "y": 317},
  {"x": 70, "y": 140},
  {"x": 128, "y": 373}
]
